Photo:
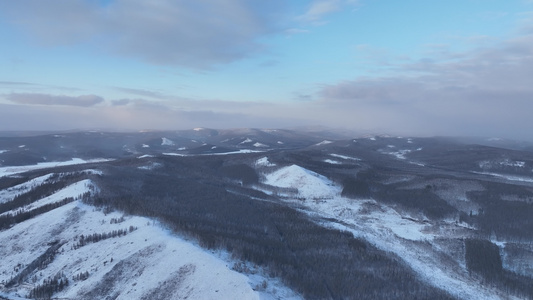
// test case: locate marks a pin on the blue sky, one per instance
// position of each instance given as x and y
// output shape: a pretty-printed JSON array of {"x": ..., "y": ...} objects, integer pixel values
[{"x": 413, "y": 67}]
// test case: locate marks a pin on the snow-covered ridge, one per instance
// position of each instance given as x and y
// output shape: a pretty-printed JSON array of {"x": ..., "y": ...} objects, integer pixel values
[
  {"x": 166, "y": 142},
  {"x": 333, "y": 162},
  {"x": 264, "y": 162},
  {"x": 8, "y": 171},
  {"x": 247, "y": 140},
  {"x": 218, "y": 153},
  {"x": 506, "y": 163},
  {"x": 260, "y": 145},
  {"x": 310, "y": 185},
  {"x": 508, "y": 177},
  {"x": 345, "y": 157},
  {"x": 146, "y": 262},
  {"x": 384, "y": 227},
  {"x": 10, "y": 193},
  {"x": 75, "y": 190},
  {"x": 324, "y": 142}
]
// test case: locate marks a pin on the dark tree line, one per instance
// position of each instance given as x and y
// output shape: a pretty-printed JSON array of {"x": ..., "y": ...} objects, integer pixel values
[
  {"x": 96, "y": 237},
  {"x": 21, "y": 215},
  {"x": 49, "y": 187},
  {"x": 39, "y": 263},
  {"x": 49, "y": 287},
  {"x": 505, "y": 219},
  {"x": 367, "y": 185},
  {"x": 483, "y": 258}
]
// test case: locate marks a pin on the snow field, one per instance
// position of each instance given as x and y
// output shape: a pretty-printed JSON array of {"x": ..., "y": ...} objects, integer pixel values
[{"x": 12, "y": 170}]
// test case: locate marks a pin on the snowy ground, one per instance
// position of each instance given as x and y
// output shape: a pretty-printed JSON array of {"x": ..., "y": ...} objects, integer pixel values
[
  {"x": 345, "y": 157},
  {"x": 8, "y": 171},
  {"x": 508, "y": 177},
  {"x": 10, "y": 193},
  {"x": 409, "y": 238},
  {"x": 147, "y": 263},
  {"x": 243, "y": 151},
  {"x": 74, "y": 190},
  {"x": 264, "y": 162}
]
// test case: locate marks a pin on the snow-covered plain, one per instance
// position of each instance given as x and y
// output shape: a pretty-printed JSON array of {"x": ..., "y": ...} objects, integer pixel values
[
  {"x": 12, "y": 170},
  {"x": 409, "y": 238}
]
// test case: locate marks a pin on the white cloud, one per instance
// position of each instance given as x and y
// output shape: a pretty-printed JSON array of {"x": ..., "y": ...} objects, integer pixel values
[
  {"x": 319, "y": 9},
  {"x": 486, "y": 91},
  {"x": 197, "y": 34},
  {"x": 46, "y": 99}
]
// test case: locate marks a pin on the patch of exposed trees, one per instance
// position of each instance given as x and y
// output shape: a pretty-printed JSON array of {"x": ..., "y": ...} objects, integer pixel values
[
  {"x": 49, "y": 287},
  {"x": 22, "y": 215},
  {"x": 483, "y": 258},
  {"x": 39, "y": 263},
  {"x": 97, "y": 237}
]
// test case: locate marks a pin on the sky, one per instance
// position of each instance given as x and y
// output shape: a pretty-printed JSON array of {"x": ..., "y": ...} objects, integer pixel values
[{"x": 410, "y": 67}]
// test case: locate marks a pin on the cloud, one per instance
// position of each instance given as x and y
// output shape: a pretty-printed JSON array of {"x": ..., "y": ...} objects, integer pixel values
[
  {"x": 196, "y": 34},
  {"x": 319, "y": 9},
  {"x": 46, "y": 99},
  {"x": 293, "y": 31},
  {"x": 486, "y": 91},
  {"x": 15, "y": 83},
  {"x": 142, "y": 93}
]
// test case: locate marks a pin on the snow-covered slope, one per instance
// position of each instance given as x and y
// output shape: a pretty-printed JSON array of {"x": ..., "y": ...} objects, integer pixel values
[
  {"x": 413, "y": 240},
  {"x": 8, "y": 171},
  {"x": 10, "y": 193},
  {"x": 146, "y": 261},
  {"x": 74, "y": 191},
  {"x": 310, "y": 185}
]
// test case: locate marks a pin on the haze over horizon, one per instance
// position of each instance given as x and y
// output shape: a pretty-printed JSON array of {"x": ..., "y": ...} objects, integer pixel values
[{"x": 455, "y": 67}]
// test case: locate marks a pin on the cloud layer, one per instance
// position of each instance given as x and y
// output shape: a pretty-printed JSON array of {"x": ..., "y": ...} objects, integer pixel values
[
  {"x": 46, "y": 99},
  {"x": 479, "y": 92},
  {"x": 197, "y": 34}
]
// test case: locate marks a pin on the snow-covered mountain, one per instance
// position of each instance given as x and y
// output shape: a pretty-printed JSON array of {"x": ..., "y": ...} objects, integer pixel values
[{"x": 263, "y": 214}]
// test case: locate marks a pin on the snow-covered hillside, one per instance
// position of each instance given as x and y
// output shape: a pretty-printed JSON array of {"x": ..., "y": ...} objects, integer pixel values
[
  {"x": 144, "y": 261},
  {"x": 416, "y": 241},
  {"x": 12, "y": 170},
  {"x": 310, "y": 185}
]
